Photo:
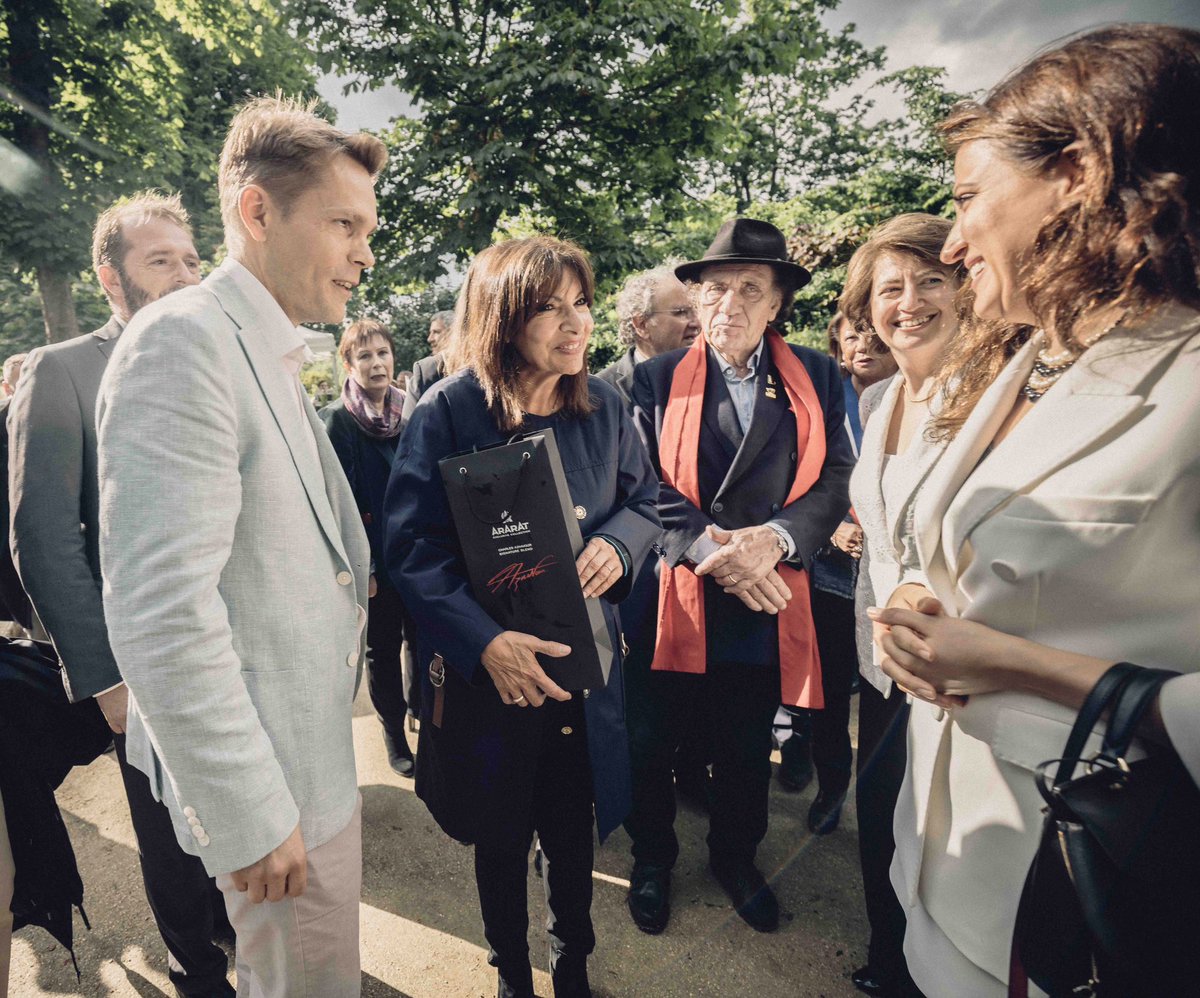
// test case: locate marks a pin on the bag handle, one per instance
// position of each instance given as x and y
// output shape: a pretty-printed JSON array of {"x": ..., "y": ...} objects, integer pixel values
[
  {"x": 512, "y": 500},
  {"x": 1136, "y": 696},
  {"x": 1107, "y": 687}
]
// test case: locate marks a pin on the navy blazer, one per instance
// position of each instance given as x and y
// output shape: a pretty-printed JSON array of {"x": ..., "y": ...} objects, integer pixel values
[
  {"x": 476, "y": 771},
  {"x": 367, "y": 461},
  {"x": 744, "y": 481}
]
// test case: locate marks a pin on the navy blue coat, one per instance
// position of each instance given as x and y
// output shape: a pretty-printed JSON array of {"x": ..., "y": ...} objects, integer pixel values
[
  {"x": 744, "y": 482},
  {"x": 476, "y": 770}
]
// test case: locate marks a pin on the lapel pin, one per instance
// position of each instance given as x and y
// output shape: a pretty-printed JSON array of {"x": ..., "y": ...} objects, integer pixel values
[{"x": 580, "y": 512}]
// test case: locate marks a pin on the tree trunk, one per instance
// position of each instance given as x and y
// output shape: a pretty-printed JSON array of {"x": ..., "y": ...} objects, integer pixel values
[{"x": 58, "y": 307}]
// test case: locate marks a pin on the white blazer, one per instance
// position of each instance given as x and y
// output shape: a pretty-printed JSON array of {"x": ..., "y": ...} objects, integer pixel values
[
  {"x": 882, "y": 525},
  {"x": 1080, "y": 530},
  {"x": 235, "y": 578}
]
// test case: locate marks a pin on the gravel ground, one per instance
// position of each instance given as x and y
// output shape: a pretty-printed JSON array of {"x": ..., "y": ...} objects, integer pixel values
[{"x": 421, "y": 933}]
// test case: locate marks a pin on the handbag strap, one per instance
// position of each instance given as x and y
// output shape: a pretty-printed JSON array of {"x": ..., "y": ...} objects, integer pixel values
[
  {"x": 1135, "y": 698},
  {"x": 1106, "y": 689}
]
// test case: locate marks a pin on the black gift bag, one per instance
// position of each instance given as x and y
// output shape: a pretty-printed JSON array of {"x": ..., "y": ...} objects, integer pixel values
[{"x": 519, "y": 533}]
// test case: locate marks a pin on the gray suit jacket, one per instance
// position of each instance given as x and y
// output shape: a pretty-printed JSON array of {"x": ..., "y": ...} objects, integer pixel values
[
  {"x": 54, "y": 492},
  {"x": 619, "y": 374},
  {"x": 235, "y": 579}
]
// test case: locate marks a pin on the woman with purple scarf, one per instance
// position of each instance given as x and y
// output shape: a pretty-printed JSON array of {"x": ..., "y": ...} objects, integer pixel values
[{"x": 364, "y": 426}]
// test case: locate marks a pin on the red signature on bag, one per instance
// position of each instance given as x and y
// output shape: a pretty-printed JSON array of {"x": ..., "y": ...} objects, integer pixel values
[{"x": 511, "y": 576}]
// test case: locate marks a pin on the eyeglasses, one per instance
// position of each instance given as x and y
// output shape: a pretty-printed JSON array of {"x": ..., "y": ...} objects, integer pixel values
[
  {"x": 712, "y": 292},
  {"x": 675, "y": 313}
]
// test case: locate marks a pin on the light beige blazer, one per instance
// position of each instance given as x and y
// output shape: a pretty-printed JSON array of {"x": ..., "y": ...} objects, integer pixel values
[
  {"x": 235, "y": 579},
  {"x": 1080, "y": 530}
]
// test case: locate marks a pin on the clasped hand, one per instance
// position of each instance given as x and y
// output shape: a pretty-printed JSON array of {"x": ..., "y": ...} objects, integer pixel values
[
  {"x": 937, "y": 657},
  {"x": 283, "y": 872},
  {"x": 744, "y": 566}
]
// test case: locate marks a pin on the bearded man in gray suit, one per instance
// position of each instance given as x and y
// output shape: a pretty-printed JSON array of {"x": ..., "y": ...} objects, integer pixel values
[
  {"x": 235, "y": 561},
  {"x": 142, "y": 250}
]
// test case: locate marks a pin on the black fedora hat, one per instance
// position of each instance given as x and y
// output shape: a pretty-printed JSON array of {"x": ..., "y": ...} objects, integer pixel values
[{"x": 747, "y": 240}]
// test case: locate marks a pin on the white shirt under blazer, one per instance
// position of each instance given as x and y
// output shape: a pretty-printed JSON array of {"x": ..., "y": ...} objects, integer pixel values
[{"x": 1079, "y": 530}]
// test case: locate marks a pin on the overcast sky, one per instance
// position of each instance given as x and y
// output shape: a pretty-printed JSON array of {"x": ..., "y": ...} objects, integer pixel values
[{"x": 977, "y": 41}]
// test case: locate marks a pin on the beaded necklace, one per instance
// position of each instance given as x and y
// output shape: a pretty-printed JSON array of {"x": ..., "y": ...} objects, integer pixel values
[{"x": 1049, "y": 367}]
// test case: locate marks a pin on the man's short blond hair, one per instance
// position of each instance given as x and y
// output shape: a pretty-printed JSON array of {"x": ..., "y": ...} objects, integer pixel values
[
  {"x": 281, "y": 145},
  {"x": 109, "y": 245}
]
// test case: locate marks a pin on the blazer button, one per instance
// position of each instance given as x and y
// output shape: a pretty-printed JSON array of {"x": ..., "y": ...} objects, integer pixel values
[
  {"x": 774, "y": 507},
  {"x": 352, "y": 659},
  {"x": 203, "y": 840},
  {"x": 194, "y": 821},
  {"x": 198, "y": 832},
  {"x": 189, "y": 812},
  {"x": 1004, "y": 571},
  {"x": 344, "y": 578},
  {"x": 587, "y": 693},
  {"x": 568, "y": 730},
  {"x": 793, "y": 455},
  {"x": 718, "y": 507}
]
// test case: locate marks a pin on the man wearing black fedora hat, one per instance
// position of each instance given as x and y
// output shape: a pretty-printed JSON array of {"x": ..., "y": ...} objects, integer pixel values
[{"x": 747, "y": 434}]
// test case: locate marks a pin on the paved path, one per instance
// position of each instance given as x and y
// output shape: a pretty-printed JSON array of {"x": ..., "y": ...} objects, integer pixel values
[{"x": 421, "y": 933}]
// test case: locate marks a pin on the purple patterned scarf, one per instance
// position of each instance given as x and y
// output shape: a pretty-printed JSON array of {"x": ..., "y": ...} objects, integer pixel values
[{"x": 355, "y": 398}]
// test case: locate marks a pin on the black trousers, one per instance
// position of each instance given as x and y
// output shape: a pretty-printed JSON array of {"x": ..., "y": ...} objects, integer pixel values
[
  {"x": 736, "y": 704},
  {"x": 882, "y": 755},
  {"x": 827, "y": 731},
  {"x": 562, "y": 819},
  {"x": 385, "y": 678},
  {"x": 183, "y": 898}
]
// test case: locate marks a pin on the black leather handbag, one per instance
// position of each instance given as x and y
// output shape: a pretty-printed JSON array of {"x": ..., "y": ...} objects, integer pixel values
[{"x": 1111, "y": 904}]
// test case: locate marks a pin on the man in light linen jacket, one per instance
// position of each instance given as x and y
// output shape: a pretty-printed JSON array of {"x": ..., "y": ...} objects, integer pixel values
[{"x": 234, "y": 560}]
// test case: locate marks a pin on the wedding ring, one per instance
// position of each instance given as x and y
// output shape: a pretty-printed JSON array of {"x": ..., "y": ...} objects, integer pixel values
[
  {"x": 519, "y": 699},
  {"x": 733, "y": 580}
]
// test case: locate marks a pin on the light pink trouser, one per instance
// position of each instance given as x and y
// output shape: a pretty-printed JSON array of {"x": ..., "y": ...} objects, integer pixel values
[{"x": 305, "y": 947}]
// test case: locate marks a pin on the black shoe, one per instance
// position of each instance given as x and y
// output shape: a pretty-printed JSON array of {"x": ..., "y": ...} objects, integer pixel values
[
  {"x": 752, "y": 897},
  {"x": 222, "y": 990},
  {"x": 569, "y": 977},
  {"x": 520, "y": 986},
  {"x": 649, "y": 897},
  {"x": 870, "y": 981},
  {"x": 826, "y": 812},
  {"x": 400, "y": 756},
  {"x": 795, "y": 771}
]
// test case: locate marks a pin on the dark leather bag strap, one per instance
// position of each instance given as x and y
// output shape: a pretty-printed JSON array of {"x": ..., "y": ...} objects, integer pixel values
[
  {"x": 1136, "y": 697},
  {"x": 1106, "y": 689}
]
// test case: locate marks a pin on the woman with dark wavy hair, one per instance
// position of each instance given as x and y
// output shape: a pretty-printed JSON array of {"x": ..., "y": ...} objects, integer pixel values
[{"x": 1061, "y": 530}]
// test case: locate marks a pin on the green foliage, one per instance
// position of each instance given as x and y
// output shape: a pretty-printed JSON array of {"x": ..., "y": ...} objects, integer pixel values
[
  {"x": 21, "y": 326},
  {"x": 593, "y": 118},
  {"x": 407, "y": 317},
  {"x": 98, "y": 100}
]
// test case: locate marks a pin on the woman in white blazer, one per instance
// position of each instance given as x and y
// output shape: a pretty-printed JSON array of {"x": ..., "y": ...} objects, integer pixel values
[
  {"x": 1065, "y": 511},
  {"x": 899, "y": 291}
]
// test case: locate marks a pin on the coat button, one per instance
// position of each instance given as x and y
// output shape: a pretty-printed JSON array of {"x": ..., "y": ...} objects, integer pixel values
[
  {"x": 203, "y": 840},
  {"x": 193, "y": 821},
  {"x": 344, "y": 578},
  {"x": 1004, "y": 571},
  {"x": 568, "y": 730},
  {"x": 718, "y": 507},
  {"x": 198, "y": 831},
  {"x": 793, "y": 455},
  {"x": 352, "y": 659},
  {"x": 586, "y": 694},
  {"x": 774, "y": 507},
  {"x": 189, "y": 812}
]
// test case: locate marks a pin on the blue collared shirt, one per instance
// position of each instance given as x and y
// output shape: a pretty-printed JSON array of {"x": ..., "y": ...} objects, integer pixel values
[{"x": 741, "y": 390}]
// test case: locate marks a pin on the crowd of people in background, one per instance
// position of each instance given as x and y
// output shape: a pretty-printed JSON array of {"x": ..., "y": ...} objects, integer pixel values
[{"x": 978, "y": 498}]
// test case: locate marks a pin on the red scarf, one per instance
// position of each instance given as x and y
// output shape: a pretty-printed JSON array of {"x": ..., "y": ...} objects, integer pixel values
[{"x": 681, "y": 643}]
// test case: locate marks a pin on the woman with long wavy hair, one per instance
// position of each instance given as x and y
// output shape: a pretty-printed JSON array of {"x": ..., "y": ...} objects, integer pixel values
[{"x": 1061, "y": 528}]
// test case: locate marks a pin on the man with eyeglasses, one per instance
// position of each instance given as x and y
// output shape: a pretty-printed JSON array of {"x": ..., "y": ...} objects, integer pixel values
[
  {"x": 747, "y": 433},
  {"x": 654, "y": 315}
]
